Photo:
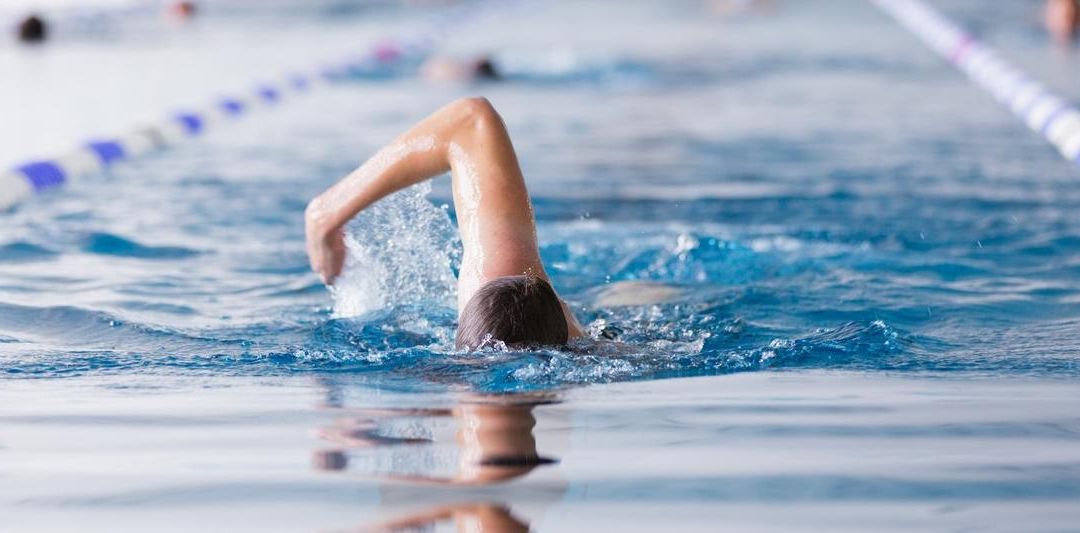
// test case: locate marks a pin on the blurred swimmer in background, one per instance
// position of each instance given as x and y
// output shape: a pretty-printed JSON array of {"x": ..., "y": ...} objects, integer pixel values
[
  {"x": 181, "y": 11},
  {"x": 32, "y": 30},
  {"x": 444, "y": 69},
  {"x": 1062, "y": 18},
  {"x": 95, "y": 23}
]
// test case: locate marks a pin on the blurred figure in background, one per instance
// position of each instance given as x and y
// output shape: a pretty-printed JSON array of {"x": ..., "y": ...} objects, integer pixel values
[
  {"x": 443, "y": 69},
  {"x": 181, "y": 11},
  {"x": 33, "y": 29},
  {"x": 1062, "y": 19},
  {"x": 738, "y": 7}
]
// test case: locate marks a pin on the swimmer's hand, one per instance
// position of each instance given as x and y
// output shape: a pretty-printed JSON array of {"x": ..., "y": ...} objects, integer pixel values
[{"x": 325, "y": 248}]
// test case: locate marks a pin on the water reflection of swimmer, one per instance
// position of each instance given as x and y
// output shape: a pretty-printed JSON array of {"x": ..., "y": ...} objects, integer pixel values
[
  {"x": 494, "y": 438},
  {"x": 494, "y": 443},
  {"x": 1062, "y": 19},
  {"x": 473, "y": 517},
  {"x": 505, "y": 297}
]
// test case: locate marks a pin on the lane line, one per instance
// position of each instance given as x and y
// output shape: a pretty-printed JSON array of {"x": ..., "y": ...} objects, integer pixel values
[
  {"x": 1032, "y": 102},
  {"x": 37, "y": 176}
]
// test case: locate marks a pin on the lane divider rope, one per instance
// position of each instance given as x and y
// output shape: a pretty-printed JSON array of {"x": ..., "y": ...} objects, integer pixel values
[
  {"x": 36, "y": 176},
  {"x": 1044, "y": 112}
]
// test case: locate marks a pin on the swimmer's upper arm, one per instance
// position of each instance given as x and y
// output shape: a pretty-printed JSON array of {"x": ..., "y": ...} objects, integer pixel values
[
  {"x": 498, "y": 229},
  {"x": 498, "y": 226}
]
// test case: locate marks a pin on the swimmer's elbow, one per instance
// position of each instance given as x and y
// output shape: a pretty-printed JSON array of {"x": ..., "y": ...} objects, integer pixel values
[
  {"x": 315, "y": 215},
  {"x": 475, "y": 107},
  {"x": 314, "y": 209},
  {"x": 476, "y": 112}
]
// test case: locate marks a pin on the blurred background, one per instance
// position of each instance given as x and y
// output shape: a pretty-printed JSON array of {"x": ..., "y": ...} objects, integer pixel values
[{"x": 103, "y": 65}]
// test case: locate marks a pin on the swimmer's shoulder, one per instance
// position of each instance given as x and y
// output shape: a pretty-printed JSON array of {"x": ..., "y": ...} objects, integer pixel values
[{"x": 635, "y": 293}]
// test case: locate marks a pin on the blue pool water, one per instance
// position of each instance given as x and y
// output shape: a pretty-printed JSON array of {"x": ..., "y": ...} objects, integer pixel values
[{"x": 819, "y": 209}]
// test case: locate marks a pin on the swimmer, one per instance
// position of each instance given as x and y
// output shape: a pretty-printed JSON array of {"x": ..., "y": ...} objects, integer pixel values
[
  {"x": 504, "y": 293},
  {"x": 1062, "y": 18},
  {"x": 181, "y": 11},
  {"x": 441, "y": 69},
  {"x": 33, "y": 30}
]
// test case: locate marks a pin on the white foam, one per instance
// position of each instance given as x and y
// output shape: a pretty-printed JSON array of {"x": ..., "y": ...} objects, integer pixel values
[{"x": 401, "y": 251}]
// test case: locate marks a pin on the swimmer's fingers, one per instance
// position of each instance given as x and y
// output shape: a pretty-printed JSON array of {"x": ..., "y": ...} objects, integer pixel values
[
  {"x": 312, "y": 236},
  {"x": 333, "y": 256},
  {"x": 326, "y": 251}
]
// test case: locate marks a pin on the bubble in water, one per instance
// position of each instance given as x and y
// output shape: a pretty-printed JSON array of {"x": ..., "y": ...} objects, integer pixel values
[{"x": 403, "y": 250}]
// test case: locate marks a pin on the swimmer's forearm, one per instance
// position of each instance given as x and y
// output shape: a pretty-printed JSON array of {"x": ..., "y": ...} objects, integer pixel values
[
  {"x": 366, "y": 185},
  {"x": 417, "y": 155}
]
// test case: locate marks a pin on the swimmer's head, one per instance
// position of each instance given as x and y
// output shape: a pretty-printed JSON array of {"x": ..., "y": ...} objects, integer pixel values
[
  {"x": 182, "y": 10},
  {"x": 484, "y": 69},
  {"x": 1063, "y": 19},
  {"x": 520, "y": 311},
  {"x": 33, "y": 29}
]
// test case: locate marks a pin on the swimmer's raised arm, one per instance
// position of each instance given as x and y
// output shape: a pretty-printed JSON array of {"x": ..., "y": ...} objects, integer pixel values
[{"x": 468, "y": 138}]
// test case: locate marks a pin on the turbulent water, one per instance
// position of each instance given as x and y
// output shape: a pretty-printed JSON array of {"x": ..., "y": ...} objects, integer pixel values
[{"x": 822, "y": 206}]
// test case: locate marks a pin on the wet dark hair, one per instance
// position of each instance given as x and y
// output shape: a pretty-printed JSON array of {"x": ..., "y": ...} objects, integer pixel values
[
  {"x": 485, "y": 70},
  {"x": 520, "y": 311},
  {"x": 33, "y": 29}
]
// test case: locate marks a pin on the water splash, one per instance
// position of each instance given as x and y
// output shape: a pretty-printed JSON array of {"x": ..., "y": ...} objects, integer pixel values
[{"x": 403, "y": 250}]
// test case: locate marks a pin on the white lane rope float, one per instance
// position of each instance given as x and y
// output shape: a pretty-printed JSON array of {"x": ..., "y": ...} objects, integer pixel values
[
  {"x": 37, "y": 176},
  {"x": 1044, "y": 112}
]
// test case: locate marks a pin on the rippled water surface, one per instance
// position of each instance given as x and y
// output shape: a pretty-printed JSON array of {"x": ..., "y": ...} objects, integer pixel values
[{"x": 804, "y": 189}]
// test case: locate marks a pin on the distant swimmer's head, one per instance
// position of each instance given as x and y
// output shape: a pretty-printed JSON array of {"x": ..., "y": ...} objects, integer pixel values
[
  {"x": 485, "y": 69},
  {"x": 182, "y": 10},
  {"x": 444, "y": 69},
  {"x": 520, "y": 311},
  {"x": 33, "y": 29},
  {"x": 1062, "y": 19}
]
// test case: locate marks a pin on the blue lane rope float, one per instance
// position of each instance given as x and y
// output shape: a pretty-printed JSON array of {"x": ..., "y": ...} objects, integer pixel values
[
  {"x": 1044, "y": 112},
  {"x": 33, "y": 177}
]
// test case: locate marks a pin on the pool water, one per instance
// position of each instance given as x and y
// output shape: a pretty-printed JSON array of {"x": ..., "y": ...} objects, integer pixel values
[{"x": 863, "y": 272}]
